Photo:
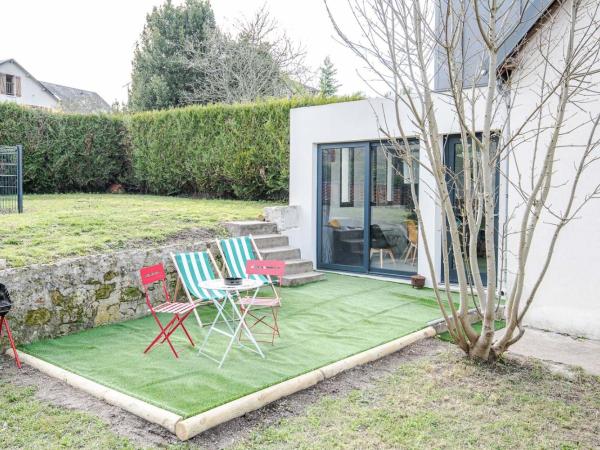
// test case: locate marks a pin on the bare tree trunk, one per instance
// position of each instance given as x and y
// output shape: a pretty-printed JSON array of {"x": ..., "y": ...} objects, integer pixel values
[{"x": 397, "y": 40}]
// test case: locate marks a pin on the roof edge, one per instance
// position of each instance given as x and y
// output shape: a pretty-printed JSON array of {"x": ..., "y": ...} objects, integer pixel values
[{"x": 15, "y": 62}]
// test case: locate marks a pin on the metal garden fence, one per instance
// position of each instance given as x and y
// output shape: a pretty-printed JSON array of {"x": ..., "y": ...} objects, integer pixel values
[{"x": 11, "y": 179}]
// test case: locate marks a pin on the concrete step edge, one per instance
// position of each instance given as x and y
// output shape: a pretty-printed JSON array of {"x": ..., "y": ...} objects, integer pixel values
[
  {"x": 296, "y": 266},
  {"x": 264, "y": 240},
  {"x": 302, "y": 278},
  {"x": 298, "y": 261},
  {"x": 254, "y": 227},
  {"x": 296, "y": 276},
  {"x": 269, "y": 236},
  {"x": 282, "y": 248}
]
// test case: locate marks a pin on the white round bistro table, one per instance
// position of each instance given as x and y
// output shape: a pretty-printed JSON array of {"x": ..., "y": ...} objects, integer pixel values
[{"x": 235, "y": 323}]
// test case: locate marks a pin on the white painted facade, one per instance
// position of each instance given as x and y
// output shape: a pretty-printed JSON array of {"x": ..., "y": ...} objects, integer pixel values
[
  {"x": 33, "y": 93},
  {"x": 358, "y": 121},
  {"x": 335, "y": 123},
  {"x": 569, "y": 298}
]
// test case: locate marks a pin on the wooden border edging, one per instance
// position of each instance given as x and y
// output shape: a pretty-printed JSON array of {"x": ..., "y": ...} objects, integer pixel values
[
  {"x": 188, "y": 428},
  {"x": 151, "y": 413}
]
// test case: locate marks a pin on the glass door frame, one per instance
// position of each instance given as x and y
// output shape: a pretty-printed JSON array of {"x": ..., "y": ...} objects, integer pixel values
[
  {"x": 367, "y": 183},
  {"x": 367, "y": 147},
  {"x": 450, "y": 155}
]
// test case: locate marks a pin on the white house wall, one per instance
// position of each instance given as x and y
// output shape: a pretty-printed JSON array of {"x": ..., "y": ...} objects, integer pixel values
[
  {"x": 569, "y": 297},
  {"x": 357, "y": 121},
  {"x": 32, "y": 93}
]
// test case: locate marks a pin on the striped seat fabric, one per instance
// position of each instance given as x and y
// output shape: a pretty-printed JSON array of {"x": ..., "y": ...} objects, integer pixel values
[
  {"x": 194, "y": 268},
  {"x": 174, "y": 307},
  {"x": 237, "y": 251}
]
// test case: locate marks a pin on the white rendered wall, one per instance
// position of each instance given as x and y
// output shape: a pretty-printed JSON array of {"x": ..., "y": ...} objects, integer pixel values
[
  {"x": 357, "y": 121},
  {"x": 32, "y": 93},
  {"x": 568, "y": 300}
]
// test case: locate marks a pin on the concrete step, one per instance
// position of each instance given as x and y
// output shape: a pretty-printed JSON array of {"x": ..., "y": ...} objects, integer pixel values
[
  {"x": 271, "y": 240},
  {"x": 302, "y": 278},
  {"x": 273, "y": 245},
  {"x": 282, "y": 253},
  {"x": 296, "y": 266},
  {"x": 253, "y": 227}
]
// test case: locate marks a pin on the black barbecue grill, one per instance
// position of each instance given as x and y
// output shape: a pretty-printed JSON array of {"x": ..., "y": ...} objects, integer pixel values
[
  {"x": 5, "y": 302},
  {"x": 5, "y": 305}
]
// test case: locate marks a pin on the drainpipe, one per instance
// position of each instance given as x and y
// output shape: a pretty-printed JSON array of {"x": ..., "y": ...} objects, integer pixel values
[{"x": 505, "y": 86}]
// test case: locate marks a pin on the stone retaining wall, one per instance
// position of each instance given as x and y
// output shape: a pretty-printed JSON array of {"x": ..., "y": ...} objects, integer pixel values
[{"x": 51, "y": 300}]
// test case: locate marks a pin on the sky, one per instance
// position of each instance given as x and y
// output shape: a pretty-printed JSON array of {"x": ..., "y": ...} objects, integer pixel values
[{"x": 89, "y": 44}]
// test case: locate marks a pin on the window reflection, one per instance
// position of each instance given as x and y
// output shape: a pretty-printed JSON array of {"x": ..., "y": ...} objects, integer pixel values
[
  {"x": 391, "y": 239},
  {"x": 394, "y": 226},
  {"x": 342, "y": 229}
]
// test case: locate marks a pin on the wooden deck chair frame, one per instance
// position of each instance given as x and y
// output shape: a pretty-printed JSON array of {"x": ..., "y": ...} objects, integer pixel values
[
  {"x": 257, "y": 255},
  {"x": 180, "y": 284}
]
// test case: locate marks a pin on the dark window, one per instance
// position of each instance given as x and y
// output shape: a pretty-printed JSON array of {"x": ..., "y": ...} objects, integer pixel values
[{"x": 10, "y": 85}]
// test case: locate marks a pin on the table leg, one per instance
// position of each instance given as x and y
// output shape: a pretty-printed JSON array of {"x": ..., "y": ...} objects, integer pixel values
[
  {"x": 244, "y": 326},
  {"x": 241, "y": 326},
  {"x": 220, "y": 313}
]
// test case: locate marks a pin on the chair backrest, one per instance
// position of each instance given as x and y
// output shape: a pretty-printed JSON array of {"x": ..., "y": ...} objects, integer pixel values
[
  {"x": 378, "y": 239},
  {"x": 193, "y": 268},
  {"x": 152, "y": 274},
  {"x": 269, "y": 267},
  {"x": 236, "y": 253},
  {"x": 413, "y": 231}
]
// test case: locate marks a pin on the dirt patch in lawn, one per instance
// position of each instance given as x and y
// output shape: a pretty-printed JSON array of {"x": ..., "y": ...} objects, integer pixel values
[{"x": 228, "y": 434}]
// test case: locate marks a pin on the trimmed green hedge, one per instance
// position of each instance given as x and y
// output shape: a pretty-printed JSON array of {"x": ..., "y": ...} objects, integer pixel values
[
  {"x": 239, "y": 151},
  {"x": 67, "y": 152}
]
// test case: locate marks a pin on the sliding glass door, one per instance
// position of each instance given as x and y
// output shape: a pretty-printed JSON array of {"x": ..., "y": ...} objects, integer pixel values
[
  {"x": 342, "y": 206},
  {"x": 394, "y": 229},
  {"x": 366, "y": 219}
]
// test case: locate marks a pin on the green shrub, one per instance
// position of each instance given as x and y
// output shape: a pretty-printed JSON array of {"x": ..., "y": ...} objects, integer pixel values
[
  {"x": 67, "y": 152},
  {"x": 239, "y": 151}
]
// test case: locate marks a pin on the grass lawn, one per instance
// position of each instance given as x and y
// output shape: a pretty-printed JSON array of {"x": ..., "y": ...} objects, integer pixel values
[
  {"x": 56, "y": 226},
  {"x": 435, "y": 401},
  {"x": 446, "y": 401},
  {"x": 29, "y": 423},
  {"x": 320, "y": 323}
]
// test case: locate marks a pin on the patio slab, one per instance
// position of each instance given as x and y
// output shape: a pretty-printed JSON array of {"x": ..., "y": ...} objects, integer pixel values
[
  {"x": 560, "y": 349},
  {"x": 320, "y": 323}
]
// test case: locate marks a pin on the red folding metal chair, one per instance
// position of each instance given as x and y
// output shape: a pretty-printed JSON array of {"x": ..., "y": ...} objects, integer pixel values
[
  {"x": 255, "y": 306},
  {"x": 180, "y": 311},
  {"x": 4, "y": 326}
]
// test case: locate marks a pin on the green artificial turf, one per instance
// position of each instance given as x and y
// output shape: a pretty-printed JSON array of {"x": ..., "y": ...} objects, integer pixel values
[
  {"x": 320, "y": 323},
  {"x": 498, "y": 325}
]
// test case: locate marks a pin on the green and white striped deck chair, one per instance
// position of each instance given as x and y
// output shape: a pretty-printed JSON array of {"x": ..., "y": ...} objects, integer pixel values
[
  {"x": 236, "y": 252},
  {"x": 193, "y": 268}
]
